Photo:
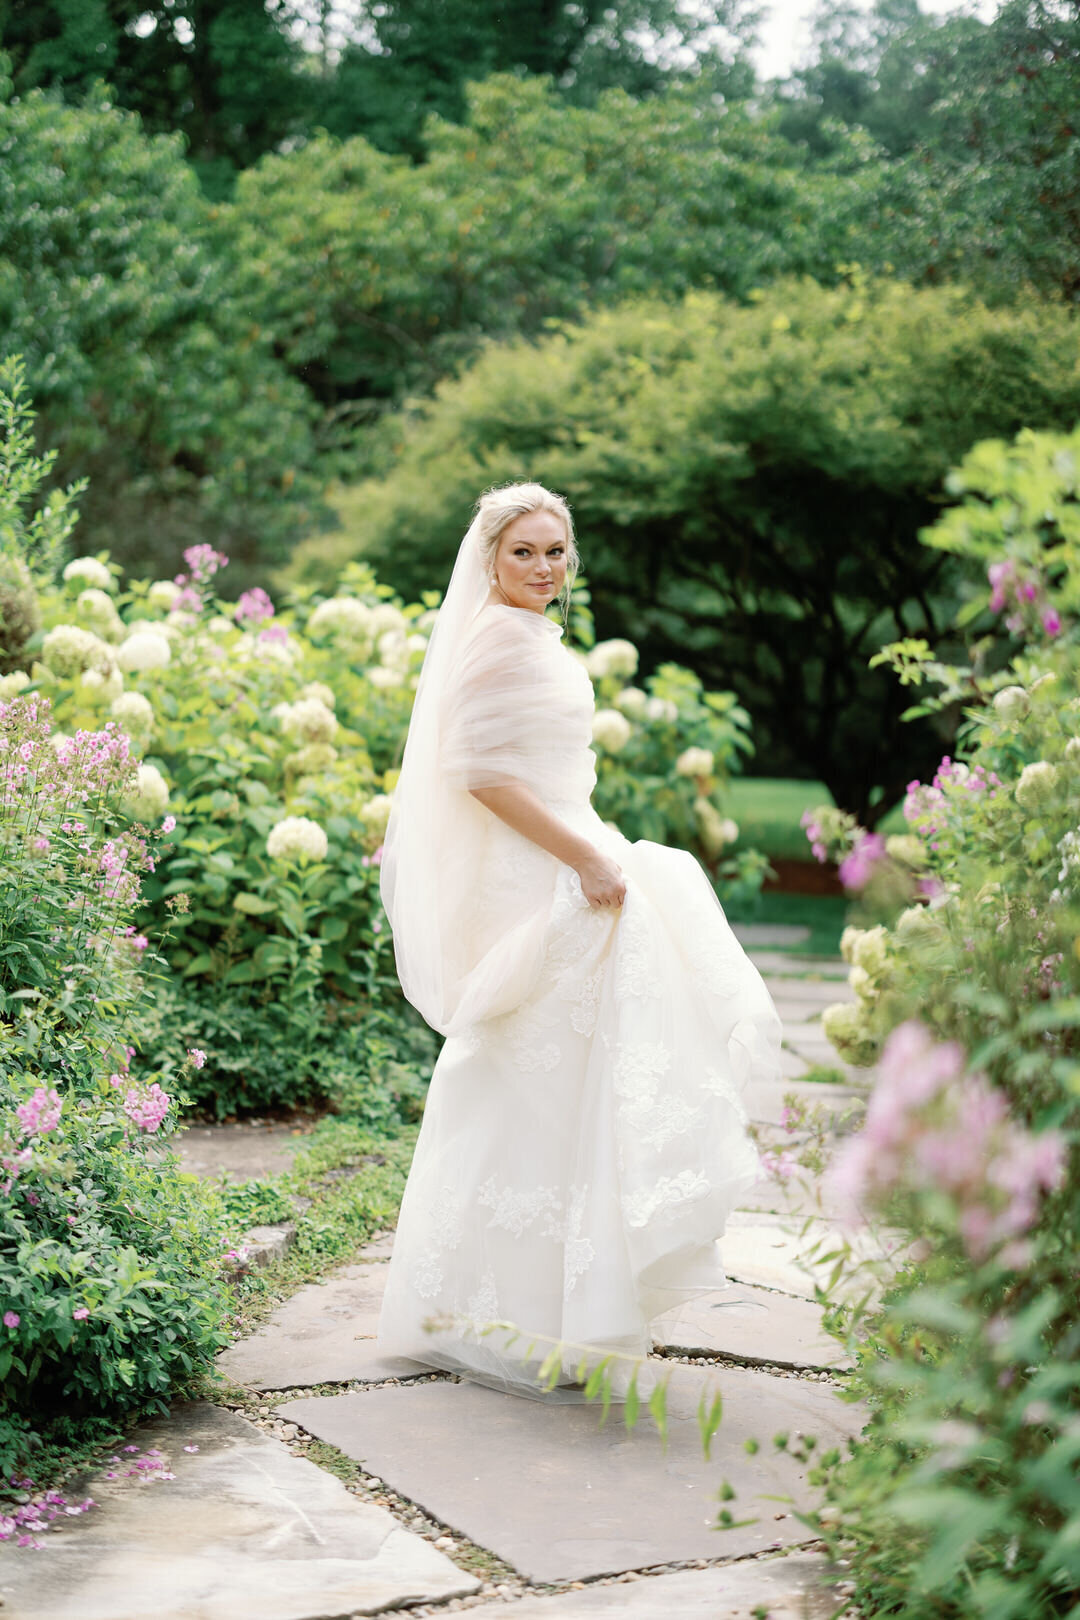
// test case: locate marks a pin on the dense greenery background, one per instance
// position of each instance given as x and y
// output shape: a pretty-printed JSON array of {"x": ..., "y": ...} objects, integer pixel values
[{"x": 265, "y": 261}]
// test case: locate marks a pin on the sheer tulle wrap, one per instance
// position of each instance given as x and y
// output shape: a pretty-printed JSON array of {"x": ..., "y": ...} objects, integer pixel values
[{"x": 489, "y": 709}]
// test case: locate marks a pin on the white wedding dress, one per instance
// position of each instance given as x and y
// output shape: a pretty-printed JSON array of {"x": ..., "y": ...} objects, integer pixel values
[{"x": 583, "y": 1141}]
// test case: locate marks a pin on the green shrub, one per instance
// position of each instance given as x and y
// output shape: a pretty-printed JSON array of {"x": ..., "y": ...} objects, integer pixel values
[{"x": 961, "y": 1501}]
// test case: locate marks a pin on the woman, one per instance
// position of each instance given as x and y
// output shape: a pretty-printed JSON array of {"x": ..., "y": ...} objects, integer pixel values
[{"x": 584, "y": 1138}]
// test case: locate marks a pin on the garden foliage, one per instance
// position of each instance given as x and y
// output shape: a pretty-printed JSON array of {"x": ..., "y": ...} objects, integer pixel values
[
  {"x": 746, "y": 482},
  {"x": 270, "y": 741},
  {"x": 962, "y": 1499}
]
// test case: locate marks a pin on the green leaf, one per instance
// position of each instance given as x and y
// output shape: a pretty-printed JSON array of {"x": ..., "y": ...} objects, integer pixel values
[{"x": 252, "y": 905}]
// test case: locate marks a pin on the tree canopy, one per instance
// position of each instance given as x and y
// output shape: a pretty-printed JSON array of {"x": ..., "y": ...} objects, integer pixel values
[{"x": 747, "y": 483}]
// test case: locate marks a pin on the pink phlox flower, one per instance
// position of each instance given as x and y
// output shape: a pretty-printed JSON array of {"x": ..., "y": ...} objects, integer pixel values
[
  {"x": 856, "y": 868},
  {"x": 41, "y": 1114},
  {"x": 253, "y": 607},
  {"x": 80, "y": 1313},
  {"x": 376, "y": 859},
  {"x": 782, "y": 1164},
  {"x": 197, "y": 1056},
  {"x": 12, "y": 1319},
  {"x": 274, "y": 632},
  {"x": 148, "y": 1108},
  {"x": 1051, "y": 621},
  {"x": 204, "y": 562},
  {"x": 168, "y": 824}
]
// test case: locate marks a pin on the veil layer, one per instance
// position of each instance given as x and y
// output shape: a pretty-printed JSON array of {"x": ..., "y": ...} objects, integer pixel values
[{"x": 467, "y": 948}]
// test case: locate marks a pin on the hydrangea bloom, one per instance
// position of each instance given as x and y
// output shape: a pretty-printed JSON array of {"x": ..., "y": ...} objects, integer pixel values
[
  {"x": 163, "y": 593},
  {"x": 320, "y": 690},
  {"x": 135, "y": 713},
  {"x": 632, "y": 701},
  {"x": 383, "y": 675},
  {"x": 870, "y": 950},
  {"x": 611, "y": 730},
  {"x": 658, "y": 708},
  {"x": 11, "y": 685},
  {"x": 150, "y": 794},
  {"x": 694, "y": 762},
  {"x": 845, "y": 1025},
  {"x": 98, "y": 611},
  {"x": 375, "y": 815},
  {"x": 343, "y": 616},
  {"x": 309, "y": 721},
  {"x": 88, "y": 571},
  {"x": 1011, "y": 703},
  {"x": 68, "y": 650},
  {"x": 616, "y": 658},
  {"x": 143, "y": 650},
  {"x": 297, "y": 838},
  {"x": 385, "y": 616},
  {"x": 1036, "y": 785}
]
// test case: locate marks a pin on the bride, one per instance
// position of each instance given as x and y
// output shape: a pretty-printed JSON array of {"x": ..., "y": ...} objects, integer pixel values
[{"x": 584, "y": 1137}]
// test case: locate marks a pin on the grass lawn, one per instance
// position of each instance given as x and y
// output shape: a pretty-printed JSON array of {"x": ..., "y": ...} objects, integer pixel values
[{"x": 768, "y": 809}]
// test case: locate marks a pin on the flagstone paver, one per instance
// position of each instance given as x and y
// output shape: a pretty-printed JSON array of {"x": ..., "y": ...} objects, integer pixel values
[
  {"x": 757, "y": 934},
  {"x": 244, "y": 1528},
  {"x": 791, "y": 967},
  {"x": 753, "y": 1324},
  {"x": 323, "y": 1334},
  {"x": 558, "y": 1496},
  {"x": 772, "y": 1251},
  {"x": 791, "y": 1587},
  {"x": 242, "y": 1152}
]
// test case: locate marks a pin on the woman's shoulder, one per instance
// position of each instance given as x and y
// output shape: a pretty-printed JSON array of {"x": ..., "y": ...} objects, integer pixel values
[{"x": 503, "y": 618}]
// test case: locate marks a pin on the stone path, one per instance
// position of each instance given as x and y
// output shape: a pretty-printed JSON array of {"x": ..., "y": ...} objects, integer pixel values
[{"x": 458, "y": 1496}]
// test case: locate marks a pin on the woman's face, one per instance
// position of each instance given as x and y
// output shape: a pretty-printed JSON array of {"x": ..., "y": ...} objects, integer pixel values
[{"x": 530, "y": 561}]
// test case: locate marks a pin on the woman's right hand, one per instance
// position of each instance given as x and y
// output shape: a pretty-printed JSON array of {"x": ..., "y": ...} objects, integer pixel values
[{"x": 602, "y": 882}]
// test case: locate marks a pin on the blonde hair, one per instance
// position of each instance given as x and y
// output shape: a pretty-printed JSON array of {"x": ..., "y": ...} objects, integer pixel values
[{"x": 499, "y": 506}]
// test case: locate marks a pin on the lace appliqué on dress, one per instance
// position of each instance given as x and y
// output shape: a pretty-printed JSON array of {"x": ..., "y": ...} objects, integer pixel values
[
  {"x": 447, "y": 1224},
  {"x": 661, "y": 1202},
  {"x": 514, "y": 1211},
  {"x": 635, "y": 971}
]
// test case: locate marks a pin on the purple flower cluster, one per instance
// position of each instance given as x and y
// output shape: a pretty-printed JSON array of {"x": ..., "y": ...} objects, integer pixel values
[
  {"x": 1008, "y": 580},
  {"x": 926, "y": 805},
  {"x": 929, "y": 1126},
  {"x": 203, "y": 562},
  {"x": 253, "y": 607},
  {"x": 146, "y": 1107},
  {"x": 856, "y": 868},
  {"x": 815, "y": 834},
  {"x": 41, "y": 1114}
]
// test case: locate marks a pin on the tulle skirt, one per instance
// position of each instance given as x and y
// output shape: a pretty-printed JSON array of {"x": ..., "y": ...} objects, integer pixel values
[{"x": 578, "y": 1156}]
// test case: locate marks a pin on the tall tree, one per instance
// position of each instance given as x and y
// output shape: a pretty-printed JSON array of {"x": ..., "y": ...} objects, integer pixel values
[
  {"x": 412, "y": 57},
  {"x": 228, "y": 74}
]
